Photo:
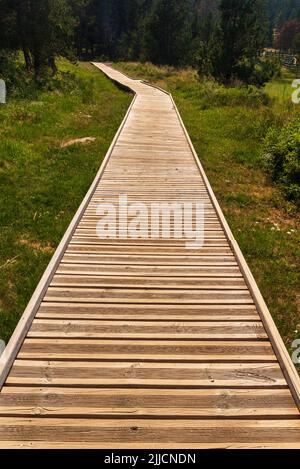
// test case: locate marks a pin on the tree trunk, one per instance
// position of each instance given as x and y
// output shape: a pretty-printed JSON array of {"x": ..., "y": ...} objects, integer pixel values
[
  {"x": 52, "y": 65},
  {"x": 37, "y": 65},
  {"x": 22, "y": 35},
  {"x": 27, "y": 58}
]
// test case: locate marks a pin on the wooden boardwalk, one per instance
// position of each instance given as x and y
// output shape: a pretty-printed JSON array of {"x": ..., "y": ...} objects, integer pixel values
[{"x": 146, "y": 344}]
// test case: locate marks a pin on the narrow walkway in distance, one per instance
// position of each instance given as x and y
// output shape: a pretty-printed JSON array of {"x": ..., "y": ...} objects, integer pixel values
[{"x": 146, "y": 344}]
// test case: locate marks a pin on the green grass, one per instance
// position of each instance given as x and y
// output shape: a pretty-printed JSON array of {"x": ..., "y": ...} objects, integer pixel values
[
  {"x": 227, "y": 127},
  {"x": 281, "y": 88},
  {"x": 42, "y": 184}
]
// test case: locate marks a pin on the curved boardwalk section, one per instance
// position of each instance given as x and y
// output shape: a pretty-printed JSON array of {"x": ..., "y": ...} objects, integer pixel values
[{"x": 145, "y": 343}]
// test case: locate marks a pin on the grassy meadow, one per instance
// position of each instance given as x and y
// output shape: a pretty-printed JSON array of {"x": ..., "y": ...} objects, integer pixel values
[
  {"x": 43, "y": 184},
  {"x": 227, "y": 127}
]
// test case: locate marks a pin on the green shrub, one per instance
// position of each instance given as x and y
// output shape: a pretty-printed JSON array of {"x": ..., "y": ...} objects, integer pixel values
[
  {"x": 260, "y": 74},
  {"x": 21, "y": 83},
  {"x": 281, "y": 158},
  {"x": 17, "y": 80}
]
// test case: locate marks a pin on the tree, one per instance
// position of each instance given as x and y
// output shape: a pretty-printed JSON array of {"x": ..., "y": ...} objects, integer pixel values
[
  {"x": 168, "y": 32},
  {"x": 8, "y": 31},
  {"x": 226, "y": 35},
  {"x": 85, "y": 26},
  {"x": 205, "y": 18},
  {"x": 132, "y": 19},
  {"x": 238, "y": 41},
  {"x": 43, "y": 30},
  {"x": 9, "y": 43}
]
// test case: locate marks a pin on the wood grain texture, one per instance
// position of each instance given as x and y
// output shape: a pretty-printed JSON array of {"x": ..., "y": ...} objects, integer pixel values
[
  {"x": 147, "y": 350},
  {"x": 143, "y": 403},
  {"x": 133, "y": 374},
  {"x": 150, "y": 433}
]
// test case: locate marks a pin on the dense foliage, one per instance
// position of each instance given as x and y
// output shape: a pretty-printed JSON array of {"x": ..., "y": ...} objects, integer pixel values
[
  {"x": 234, "y": 51},
  {"x": 223, "y": 38},
  {"x": 41, "y": 29},
  {"x": 282, "y": 158}
]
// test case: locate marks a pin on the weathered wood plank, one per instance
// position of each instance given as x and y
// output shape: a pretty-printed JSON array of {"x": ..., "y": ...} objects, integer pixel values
[
  {"x": 133, "y": 433},
  {"x": 150, "y": 260},
  {"x": 142, "y": 403},
  {"x": 151, "y": 312},
  {"x": 147, "y": 296},
  {"x": 132, "y": 374},
  {"x": 204, "y": 283},
  {"x": 147, "y": 350},
  {"x": 147, "y": 330}
]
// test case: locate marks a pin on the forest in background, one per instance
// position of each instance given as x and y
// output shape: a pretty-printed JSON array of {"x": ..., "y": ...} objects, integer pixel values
[
  {"x": 120, "y": 28},
  {"x": 221, "y": 38}
]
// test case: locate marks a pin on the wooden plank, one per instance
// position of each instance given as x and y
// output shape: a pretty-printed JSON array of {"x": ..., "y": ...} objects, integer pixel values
[
  {"x": 150, "y": 261},
  {"x": 204, "y": 283},
  {"x": 147, "y": 330},
  {"x": 161, "y": 271},
  {"x": 93, "y": 240},
  {"x": 147, "y": 296},
  {"x": 133, "y": 374},
  {"x": 174, "y": 312},
  {"x": 147, "y": 350},
  {"x": 143, "y": 403},
  {"x": 132, "y": 433},
  {"x": 141, "y": 242},
  {"x": 151, "y": 250},
  {"x": 38, "y": 445}
]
